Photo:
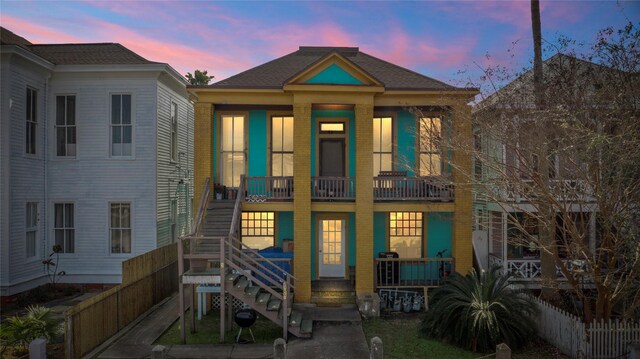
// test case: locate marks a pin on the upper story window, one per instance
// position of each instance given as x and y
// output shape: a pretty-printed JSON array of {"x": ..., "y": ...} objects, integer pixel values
[
  {"x": 121, "y": 127},
  {"x": 174, "y": 131},
  {"x": 282, "y": 146},
  {"x": 32, "y": 121},
  {"x": 64, "y": 226},
  {"x": 232, "y": 155},
  {"x": 382, "y": 144},
  {"x": 31, "y": 229},
  {"x": 405, "y": 234},
  {"x": 430, "y": 151},
  {"x": 120, "y": 227},
  {"x": 65, "y": 126}
]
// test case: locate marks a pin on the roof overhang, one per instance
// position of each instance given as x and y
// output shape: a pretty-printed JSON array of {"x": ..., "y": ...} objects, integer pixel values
[{"x": 26, "y": 54}]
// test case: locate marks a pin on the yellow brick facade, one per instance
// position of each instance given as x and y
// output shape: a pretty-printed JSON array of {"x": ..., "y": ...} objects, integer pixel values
[
  {"x": 202, "y": 148},
  {"x": 302, "y": 201},
  {"x": 364, "y": 198}
]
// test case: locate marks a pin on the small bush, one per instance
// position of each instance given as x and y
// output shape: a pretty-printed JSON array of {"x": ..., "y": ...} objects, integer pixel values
[
  {"x": 19, "y": 331},
  {"x": 479, "y": 311}
]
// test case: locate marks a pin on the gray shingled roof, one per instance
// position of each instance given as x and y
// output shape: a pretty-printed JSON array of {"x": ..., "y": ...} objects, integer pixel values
[
  {"x": 9, "y": 38},
  {"x": 89, "y": 54},
  {"x": 276, "y": 73}
]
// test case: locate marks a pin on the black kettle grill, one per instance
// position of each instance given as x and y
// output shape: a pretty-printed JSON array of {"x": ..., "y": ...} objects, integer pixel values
[{"x": 245, "y": 318}]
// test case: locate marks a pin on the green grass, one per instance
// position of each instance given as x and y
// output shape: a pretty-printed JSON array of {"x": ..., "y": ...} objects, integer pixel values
[
  {"x": 401, "y": 339},
  {"x": 208, "y": 331}
]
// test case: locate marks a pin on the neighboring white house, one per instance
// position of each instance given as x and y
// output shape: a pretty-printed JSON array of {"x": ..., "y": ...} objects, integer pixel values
[{"x": 96, "y": 156}]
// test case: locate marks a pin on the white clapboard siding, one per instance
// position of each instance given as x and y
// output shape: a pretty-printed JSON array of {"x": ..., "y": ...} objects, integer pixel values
[
  {"x": 170, "y": 172},
  {"x": 599, "y": 340},
  {"x": 26, "y": 173}
]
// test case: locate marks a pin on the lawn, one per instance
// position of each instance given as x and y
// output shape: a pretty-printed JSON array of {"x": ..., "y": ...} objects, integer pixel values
[
  {"x": 208, "y": 331},
  {"x": 401, "y": 339}
]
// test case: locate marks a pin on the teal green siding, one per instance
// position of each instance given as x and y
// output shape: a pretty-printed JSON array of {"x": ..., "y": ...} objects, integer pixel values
[
  {"x": 439, "y": 233},
  {"x": 334, "y": 74},
  {"x": 284, "y": 227},
  {"x": 379, "y": 233},
  {"x": 406, "y": 128},
  {"x": 257, "y": 143},
  {"x": 351, "y": 235},
  {"x": 315, "y": 114},
  {"x": 314, "y": 251}
]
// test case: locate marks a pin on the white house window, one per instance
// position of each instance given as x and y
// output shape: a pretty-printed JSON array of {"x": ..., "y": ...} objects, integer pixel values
[
  {"x": 405, "y": 234},
  {"x": 430, "y": 159},
  {"x": 32, "y": 121},
  {"x": 232, "y": 150},
  {"x": 64, "y": 227},
  {"x": 65, "y": 126},
  {"x": 120, "y": 227},
  {"x": 258, "y": 229},
  {"x": 31, "y": 229},
  {"x": 282, "y": 146},
  {"x": 121, "y": 127},
  {"x": 382, "y": 145},
  {"x": 174, "y": 131}
]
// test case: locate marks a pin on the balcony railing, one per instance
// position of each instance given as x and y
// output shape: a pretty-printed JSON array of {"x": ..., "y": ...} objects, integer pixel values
[
  {"x": 262, "y": 189},
  {"x": 562, "y": 190},
  {"x": 411, "y": 273},
  {"x": 333, "y": 188},
  {"x": 391, "y": 188},
  {"x": 530, "y": 270}
]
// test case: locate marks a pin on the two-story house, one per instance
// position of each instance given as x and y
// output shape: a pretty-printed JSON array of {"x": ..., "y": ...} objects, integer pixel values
[
  {"x": 96, "y": 157},
  {"x": 340, "y": 156}
]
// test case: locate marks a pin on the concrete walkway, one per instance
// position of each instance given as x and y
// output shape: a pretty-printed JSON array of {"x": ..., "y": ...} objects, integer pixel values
[{"x": 337, "y": 333}]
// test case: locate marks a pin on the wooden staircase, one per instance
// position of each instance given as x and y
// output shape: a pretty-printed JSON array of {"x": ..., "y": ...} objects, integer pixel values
[{"x": 248, "y": 276}]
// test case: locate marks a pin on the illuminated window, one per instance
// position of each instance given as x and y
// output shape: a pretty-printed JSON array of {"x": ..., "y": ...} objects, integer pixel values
[
  {"x": 430, "y": 146},
  {"x": 232, "y": 150},
  {"x": 405, "y": 234},
  {"x": 282, "y": 146},
  {"x": 331, "y": 127},
  {"x": 258, "y": 229},
  {"x": 382, "y": 145}
]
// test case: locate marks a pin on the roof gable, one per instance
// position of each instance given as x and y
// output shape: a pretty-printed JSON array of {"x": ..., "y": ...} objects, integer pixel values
[
  {"x": 334, "y": 74},
  {"x": 333, "y": 69}
]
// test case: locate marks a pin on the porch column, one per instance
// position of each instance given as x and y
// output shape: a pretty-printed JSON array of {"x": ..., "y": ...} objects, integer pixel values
[
  {"x": 364, "y": 198},
  {"x": 202, "y": 148},
  {"x": 462, "y": 169},
  {"x": 302, "y": 201}
]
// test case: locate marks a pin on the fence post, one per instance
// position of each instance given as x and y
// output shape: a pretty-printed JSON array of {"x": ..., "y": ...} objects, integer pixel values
[
  {"x": 279, "y": 349},
  {"x": 159, "y": 352},
  {"x": 503, "y": 351},
  {"x": 377, "y": 351},
  {"x": 38, "y": 349}
]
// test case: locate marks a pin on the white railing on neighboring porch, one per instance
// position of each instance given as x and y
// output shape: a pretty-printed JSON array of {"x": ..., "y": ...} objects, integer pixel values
[
  {"x": 565, "y": 190},
  {"x": 531, "y": 269}
]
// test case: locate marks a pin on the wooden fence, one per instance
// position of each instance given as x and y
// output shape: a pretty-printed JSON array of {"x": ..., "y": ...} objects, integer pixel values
[
  {"x": 599, "y": 340},
  {"x": 146, "y": 280}
]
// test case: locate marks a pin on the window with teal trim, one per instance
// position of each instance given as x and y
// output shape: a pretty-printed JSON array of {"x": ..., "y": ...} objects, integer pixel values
[
  {"x": 430, "y": 158},
  {"x": 382, "y": 144},
  {"x": 282, "y": 146}
]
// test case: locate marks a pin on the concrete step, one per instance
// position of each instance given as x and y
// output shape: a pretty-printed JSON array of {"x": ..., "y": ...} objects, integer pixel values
[
  {"x": 306, "y": 326},
  {"x": 295, "y": 318}
]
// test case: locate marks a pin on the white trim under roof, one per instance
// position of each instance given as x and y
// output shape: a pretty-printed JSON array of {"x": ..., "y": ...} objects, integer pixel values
[{"x": 18, "y": 50}]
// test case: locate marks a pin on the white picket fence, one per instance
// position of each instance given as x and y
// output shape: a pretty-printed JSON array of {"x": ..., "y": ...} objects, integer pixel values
[{"x": 600, "y": 340}]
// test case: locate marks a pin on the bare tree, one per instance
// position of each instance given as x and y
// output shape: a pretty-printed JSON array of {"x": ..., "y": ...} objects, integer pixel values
[{"x": 568, "y": 170}]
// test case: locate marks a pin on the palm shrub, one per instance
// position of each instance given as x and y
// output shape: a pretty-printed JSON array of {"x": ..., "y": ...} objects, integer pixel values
[
  {"x": 18, "y": 331},
  {"x": 479, "y": 311}
]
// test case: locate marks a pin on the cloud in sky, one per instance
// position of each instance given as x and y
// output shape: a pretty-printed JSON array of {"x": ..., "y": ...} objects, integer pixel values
[{"x": 436, "y": 38}]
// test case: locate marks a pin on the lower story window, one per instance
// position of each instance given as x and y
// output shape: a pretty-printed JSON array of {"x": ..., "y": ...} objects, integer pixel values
[
  {"x": 120, "y": 228},
  {"x": 31, "y": 226},
  {"x": 64, "y": 227},
  {"x": 258, "y": 229},
  {"x": 405, "y": 234}
]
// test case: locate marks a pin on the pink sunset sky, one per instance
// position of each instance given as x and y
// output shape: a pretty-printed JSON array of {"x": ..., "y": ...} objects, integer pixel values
[{"x": 447, "y": 40}]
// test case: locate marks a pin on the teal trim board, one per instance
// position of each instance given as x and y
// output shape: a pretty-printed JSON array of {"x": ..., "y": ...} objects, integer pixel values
[
  {"x": 406, "y": 128},
  {"x": 334, "y": 74},
  {"x": 379, "y": 233},
  {"x": 439, "y": 233},
  {"x": 284, "y": 227},
  {"x": 257, "y": 143}
]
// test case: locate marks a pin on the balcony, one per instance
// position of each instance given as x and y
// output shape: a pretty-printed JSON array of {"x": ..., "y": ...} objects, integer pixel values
[
  {"x": 385, "y": 188},
  {"x": 411, "y": 273}
]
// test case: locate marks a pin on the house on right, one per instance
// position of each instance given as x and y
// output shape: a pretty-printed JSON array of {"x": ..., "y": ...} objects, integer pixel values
[{"x": 556, "y": 176}]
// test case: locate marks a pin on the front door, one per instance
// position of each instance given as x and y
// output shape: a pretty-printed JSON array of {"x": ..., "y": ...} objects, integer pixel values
[
  {"x": 331, "y": 248},
  {"x": 332, "y": 157}
]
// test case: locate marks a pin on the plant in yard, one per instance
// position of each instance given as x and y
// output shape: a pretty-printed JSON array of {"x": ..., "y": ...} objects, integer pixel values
[
  {"x": 19, "y": 331},
  {"x": 479, "y": 311},
  {"x": 52, "y": 266}
]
